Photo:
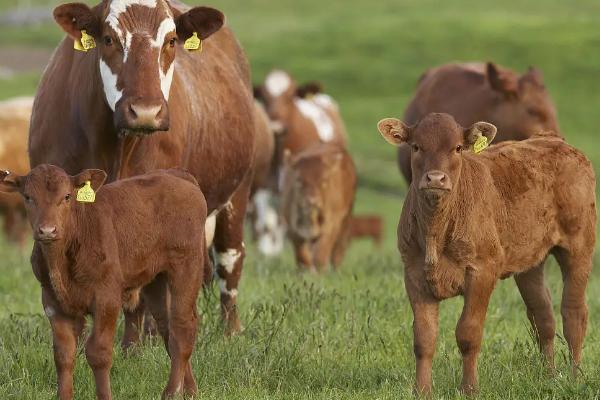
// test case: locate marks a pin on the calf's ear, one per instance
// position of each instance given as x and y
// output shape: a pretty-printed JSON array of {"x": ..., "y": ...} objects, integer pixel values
[
  {"x": 477, "y": 130},
  {"x": 504, "y": 82},
  {"x": 75, "y": 17},
  {"x": 9, "y": 186},
  {"x": 394, "y": 131},
  {"x": 95, "y": 176},
  {"x": 203, "y": 20}
]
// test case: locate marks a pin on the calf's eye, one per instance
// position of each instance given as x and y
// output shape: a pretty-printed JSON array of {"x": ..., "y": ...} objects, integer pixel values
[
  {"x": 67, "y": 198},
  {"x": 459, "y": 149}
]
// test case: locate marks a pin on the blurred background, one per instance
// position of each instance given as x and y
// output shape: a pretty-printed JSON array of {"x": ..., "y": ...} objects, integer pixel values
[{"x": 369, "y": 56}]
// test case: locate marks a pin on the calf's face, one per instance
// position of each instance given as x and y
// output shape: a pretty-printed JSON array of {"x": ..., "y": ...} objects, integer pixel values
[
  {"x": 136, "y": 50},
  {"x": 49, "y": 194},
  {"x": 437, "y": 143}
]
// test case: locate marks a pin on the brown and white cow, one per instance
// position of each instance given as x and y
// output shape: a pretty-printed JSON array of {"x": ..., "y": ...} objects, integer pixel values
[
  {"x": 470, "y": 220},
  {"x": 317, "y": 197},
  {"x": 92, "y": 257},
  {"x": 518, "y": 105},
  {"x": 104, "y": 109},
  {"x": 14, "y": 126}
]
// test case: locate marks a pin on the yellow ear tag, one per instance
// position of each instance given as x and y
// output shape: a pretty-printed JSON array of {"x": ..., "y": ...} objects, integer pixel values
[
  {"x": 194, "y": 43},
  {"x": 86, "y": 194},
  {"x": 480, "y": 145},
  {"x": 86, "y": 43}
]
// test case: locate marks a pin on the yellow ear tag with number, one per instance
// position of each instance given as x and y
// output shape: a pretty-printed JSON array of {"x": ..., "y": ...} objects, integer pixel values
[
  {"x": 480, "y": 145},
  {"x": 86, "y": 42},
  {"x": 86, "y": 194},
  {"x": 194, "y": 43}
]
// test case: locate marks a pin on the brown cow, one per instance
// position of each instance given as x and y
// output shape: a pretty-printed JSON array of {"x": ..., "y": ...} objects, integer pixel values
[
  {"x": 317, "y": 198},
  {"x": 519, "y": 106},
  {"x": 469, "y": 220},
  {"x": 306, "y": 115},
  {"x": 14, "y": 125},
  {"x": 366, "y": 226},
  {"x": 93, "y": 258},
  {"x": 102, "y": 109}
]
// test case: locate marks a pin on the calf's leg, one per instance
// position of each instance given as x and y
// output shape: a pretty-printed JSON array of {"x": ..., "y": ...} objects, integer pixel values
[
  {"x": 134, "y": 322},
  {"x": 469, "y": 331},
  {"x": 65, "y": 333},
  {"x": 425, "y": 326},
  {"x": 576, "y": 270},
  {"x": 98, "y": 350},
  {"x": 304, "y": 256},
  {"x": 537, "y": 299}
]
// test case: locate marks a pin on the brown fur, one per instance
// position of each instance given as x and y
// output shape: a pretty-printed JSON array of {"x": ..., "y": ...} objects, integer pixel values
[
  {"x": 91, "y": 258},
  {"x": 518, "y": 105},
  {"x": 14, "y": 120},
  {"x": 366, "y": 226},
  {"x": 209, "y": 118},
  {"x": 317, "y": 198},
  {"x": 470, "y": 220}
]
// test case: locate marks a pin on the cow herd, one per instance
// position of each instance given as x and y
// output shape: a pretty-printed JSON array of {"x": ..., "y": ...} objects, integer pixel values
[{"x": 148, "y": 152}]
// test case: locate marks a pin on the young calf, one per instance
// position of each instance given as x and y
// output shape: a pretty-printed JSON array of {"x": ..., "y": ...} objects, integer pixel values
[
  {"x": 469, "y": 220},
  {"x": 93, "y": 258},
  {"x": 317, "y": 199},
  {"x": 366, "y": 226}
]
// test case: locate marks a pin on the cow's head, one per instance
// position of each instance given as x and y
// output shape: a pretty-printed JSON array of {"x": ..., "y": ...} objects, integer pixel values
[
  {"x": 137, "y": 42},
  {"x": 438, "y": 143},
  {"x": 523, "y": 107},
  {"x": 277, "y": 95},
  {"x": 49, "y": 195}
]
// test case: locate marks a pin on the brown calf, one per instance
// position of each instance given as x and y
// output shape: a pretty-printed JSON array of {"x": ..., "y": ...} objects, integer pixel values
[
  {"x": 14, "y": 126},
  {"x": 366, "y": 226},
  {"x": 94, "y": 258},
  {"x": 469, "y": 220},
  {"x": 103, "y": 108},
  {"x": 518, "y": 105},
  {"x": 317, "y": 198}
]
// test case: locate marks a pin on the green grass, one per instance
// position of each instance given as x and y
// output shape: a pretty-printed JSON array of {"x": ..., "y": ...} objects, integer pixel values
[{"x": 348, "y": 335}]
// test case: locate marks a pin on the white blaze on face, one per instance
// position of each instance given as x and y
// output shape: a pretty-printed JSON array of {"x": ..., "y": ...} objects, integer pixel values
[
  {"x": 313, "y": 111},
  {"x": 109, "y": 80},
  {"x": 277, "y": 83},
  {"x": 166, "y": 79}
]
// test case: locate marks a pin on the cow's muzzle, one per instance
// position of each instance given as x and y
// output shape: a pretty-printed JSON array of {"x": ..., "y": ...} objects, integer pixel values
[
  {"x": 141, "y": 115},
  {"x": 435, "y": 181}
]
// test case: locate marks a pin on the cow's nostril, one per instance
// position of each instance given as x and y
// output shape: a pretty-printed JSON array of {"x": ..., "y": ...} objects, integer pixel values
[
  {"x": 132, "y": 111},
  {"x": 48, "y": 231}
]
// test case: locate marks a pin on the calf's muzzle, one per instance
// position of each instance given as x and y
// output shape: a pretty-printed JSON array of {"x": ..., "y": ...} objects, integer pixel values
[{"x": 435, "y": 180}]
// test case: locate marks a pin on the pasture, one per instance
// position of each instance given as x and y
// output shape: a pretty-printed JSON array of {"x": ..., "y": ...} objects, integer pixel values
[{"x": 348, "y": 334}]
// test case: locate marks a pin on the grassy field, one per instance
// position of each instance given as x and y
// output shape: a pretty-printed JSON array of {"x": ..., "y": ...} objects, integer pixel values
[{"x": 348, "y": 335}]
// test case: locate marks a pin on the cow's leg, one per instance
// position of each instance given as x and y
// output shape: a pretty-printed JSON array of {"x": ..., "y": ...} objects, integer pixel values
[
  {"x": 425, "y": 326},
  {"x": 184, "y": 285},
  {"x": 304, "y": 256},
  {"x": 469, "y": 331},
  {"x": 99, "y": 347},
  {"x": 576, "y": 270},
  {"x": 324, "y": 250},
  {"x": 539, "y": 309},
  {"x": 65, "y": 333},
  {"x": 229, "y": 248},
  {"x": 339, "y": 251},
  {"x": 156, "y": 298},
  {"x": 134, "y": 322}
]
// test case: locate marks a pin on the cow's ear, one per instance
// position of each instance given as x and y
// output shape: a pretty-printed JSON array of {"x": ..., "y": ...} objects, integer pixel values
[
  {"x": 505, "y": 82},
  {"x": 394, "y": 131},
  {"x": 478, "y": 130},
  {"x": 9, "y": 185},
  {"x": 309, "y": 89},
  {"x": 75, "y": 17},
  {"x": 96, "y": 177},
  {"x": 201, "y": 20},
  {"x": 533, "y": 75}
]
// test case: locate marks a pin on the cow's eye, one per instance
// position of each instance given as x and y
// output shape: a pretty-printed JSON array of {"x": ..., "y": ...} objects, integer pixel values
[
  {"x": 415, "y": 148},
  {"x": 459, "y": 149},
  {"x": 68, "y": 198},
  {"x": 27, "y": 198},
  {"x": 172, "y": 42},
  {"x": 108, "y": 41}
]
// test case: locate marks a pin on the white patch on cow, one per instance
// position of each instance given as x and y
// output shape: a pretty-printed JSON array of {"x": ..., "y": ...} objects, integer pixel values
[
  {"x": 118, "y": 7},
  {"x": 223, "y": 287},
  {"x": 127, "y": 46},
  {"x": 267, "y": 225},
  {"x": 50, "y": 312},
  {"x": 166, "y": 80},
  {"x": 109, "y": 80},
  {"x": 209, "y": 228},
  {"x": 166, "y": 26},
  {"x": 228, "y": 259},
  {"x": 318, "y": 116},
  {"x": 277, "y": 83},
  {"x": 325, "y": 101}
]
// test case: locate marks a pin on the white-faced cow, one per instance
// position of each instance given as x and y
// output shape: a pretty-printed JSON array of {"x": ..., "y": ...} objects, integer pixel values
[{"x": 103, "y": 108}]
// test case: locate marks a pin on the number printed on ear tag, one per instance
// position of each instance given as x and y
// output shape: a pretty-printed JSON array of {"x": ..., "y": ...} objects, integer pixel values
[
  {"x": 194, "y": 43},
  {"x": 86, "y": 194},
  {"x": 86, "y": 42},
  {"x": 480, "y": 145}
]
